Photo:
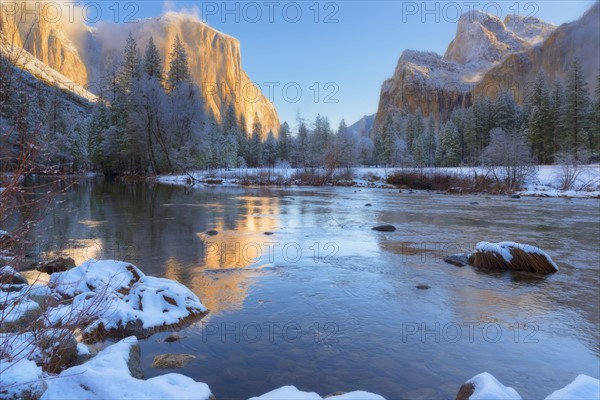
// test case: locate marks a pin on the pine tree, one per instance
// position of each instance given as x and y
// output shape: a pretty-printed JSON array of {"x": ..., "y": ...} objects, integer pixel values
[
  {"x": 283, "y": 148},
  {"x": 448, "y": 151},
  {"x": 505, "y": 111},
  {"x": 539, "y": 121},
  {"x": 385, "y": 143},
  {"x": 575, "y": 112},
  {"x": 270, "y": 150},
  {"x": 178, "y": 67},
  {"x": 255, "y": 150},
  {"x": 556, "y": 107},
  {"x": 130, "y": 68},
  {"x": 430, "y": 143},
  {"x": 300, "y": 153},
  {"x": 483, "y": 110},
  {"x": 153, "y": 65},
  {"x": 242, "y": 140},
  {"x": 595, "y": 120}
]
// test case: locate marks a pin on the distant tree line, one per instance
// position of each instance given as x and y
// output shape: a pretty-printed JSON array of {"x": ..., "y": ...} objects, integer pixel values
[
  {"x": 555, "y": 120},
  {"x": 148, "y": 122}
]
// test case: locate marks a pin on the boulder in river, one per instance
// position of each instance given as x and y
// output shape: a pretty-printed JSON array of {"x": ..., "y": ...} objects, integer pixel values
[
  {"x": 60, "y": 264},
  {"x": 385, "y": 228},
  {"x": 513, "y": 257},
  {"x": 172, "y": 361},
  {"x": 212, "y": 232}
]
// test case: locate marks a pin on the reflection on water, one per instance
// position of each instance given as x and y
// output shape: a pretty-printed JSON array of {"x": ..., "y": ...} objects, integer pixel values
[{"x": 327, "y": 304}]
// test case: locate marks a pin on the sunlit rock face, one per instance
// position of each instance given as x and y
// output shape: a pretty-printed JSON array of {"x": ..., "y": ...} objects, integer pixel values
[
  {"x": 44, "y": 35},
  {"x": 486, "y": 56},
  {"x": 214, "y": 59},
  {"x": 84, "y": 54}
]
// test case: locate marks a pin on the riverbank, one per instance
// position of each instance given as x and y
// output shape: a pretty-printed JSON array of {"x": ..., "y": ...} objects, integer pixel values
[{"x": 544, "y": 181}]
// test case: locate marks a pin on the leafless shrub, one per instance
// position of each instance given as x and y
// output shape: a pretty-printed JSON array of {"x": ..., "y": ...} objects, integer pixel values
[{"x": 508, "y": 158}]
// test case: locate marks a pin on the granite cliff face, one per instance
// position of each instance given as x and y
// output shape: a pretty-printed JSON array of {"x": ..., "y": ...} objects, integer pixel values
[
  {"x": 79, "y": 53},
  {"x": 45, "y": 39},
  {"x": 486, "y": 56}
]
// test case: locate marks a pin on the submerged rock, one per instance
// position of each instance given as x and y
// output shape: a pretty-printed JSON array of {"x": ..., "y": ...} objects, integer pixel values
[
  {"x": 172, "y": 361},
  {"x": 385, "y": 228},
  {"x": 174, "y": 337},
  {"x": 423, "y": 287},
  {"x": 460, "y": 260},
  {"x": 212, "y": 232}
]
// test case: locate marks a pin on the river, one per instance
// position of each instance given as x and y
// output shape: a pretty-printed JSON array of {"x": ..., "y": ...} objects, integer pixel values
[{"x": 327, "y": 304}]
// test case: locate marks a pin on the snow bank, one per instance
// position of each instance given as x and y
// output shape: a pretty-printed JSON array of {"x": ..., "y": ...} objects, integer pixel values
[
  {"x": 117, "y": 297},
  {"x": 107, "y": 376},
  {"x": 21, "y": 378},
  {"x": 582, "y": 388},
  {"x": 292, "y": 393},
  {"x": 487, "y": 387},
  {"x": 15, "y": 305},
  {"x": 545, "y": 182}
]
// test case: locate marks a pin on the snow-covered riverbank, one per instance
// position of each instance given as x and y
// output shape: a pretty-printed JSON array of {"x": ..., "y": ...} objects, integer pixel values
[{"x": 545, "y": 181}]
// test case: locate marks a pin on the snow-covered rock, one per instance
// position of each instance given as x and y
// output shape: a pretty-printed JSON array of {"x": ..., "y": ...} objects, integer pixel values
[
  {"x": 21, "y": 379},
  {"x": 582, "y": 388},
  {"x": 108, "y": 376},
  {"x": 486, "y": 387},
  {"x": 292, "y": 393},
  {"x": 512, "y": 256},
  {"x": 117, "y": 298}
]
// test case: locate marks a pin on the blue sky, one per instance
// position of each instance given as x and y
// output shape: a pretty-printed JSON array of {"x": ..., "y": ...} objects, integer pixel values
[{"x": 337, "y": 53}]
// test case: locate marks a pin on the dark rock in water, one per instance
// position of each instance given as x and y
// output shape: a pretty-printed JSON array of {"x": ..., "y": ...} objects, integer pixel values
[
  {"x": 515, "y": 196},
  {"x": 423, "y": 287},
  {"x": 61, "y": 264},
  {"x": 172, "y": 361},
  {"x": 465, "y": 392},
  {"x": 334, "y": 394},
  {"x": 212, "y": 232},
  {"x": 460, "y": 260},
  {"x": 474, "y": 203},
  {"x": 368, "y": 205},
  {"x": 488, "y": 198},
  {"x": 11, "y": 277},
  {"x": 269, "y": 233},
  {"x": 385, "y": 228},
  {"x": 174, "y": 337}
]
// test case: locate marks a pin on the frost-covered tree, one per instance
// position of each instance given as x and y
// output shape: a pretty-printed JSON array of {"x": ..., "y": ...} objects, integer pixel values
[
  {"x": 178, "y": 67},
  {"x": 385, "y": 142},
  {"x": 448, "y": 150},
  {"x": 255, "y": 149},
  {"x": 131, "y": 66},
  {"x": 270, "y": 150},
  {"x": 347, "y": 147},
  {"x": 284, "y": 142},
  {"x": 539, "y": 133},
  {"x": 153, "y": 64},
  {"x": 508, "y": 158},
  {"x": 575, "y": 115},
  {"x": 505, "y": 111},
  {"x": 301, "y": 146}
]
